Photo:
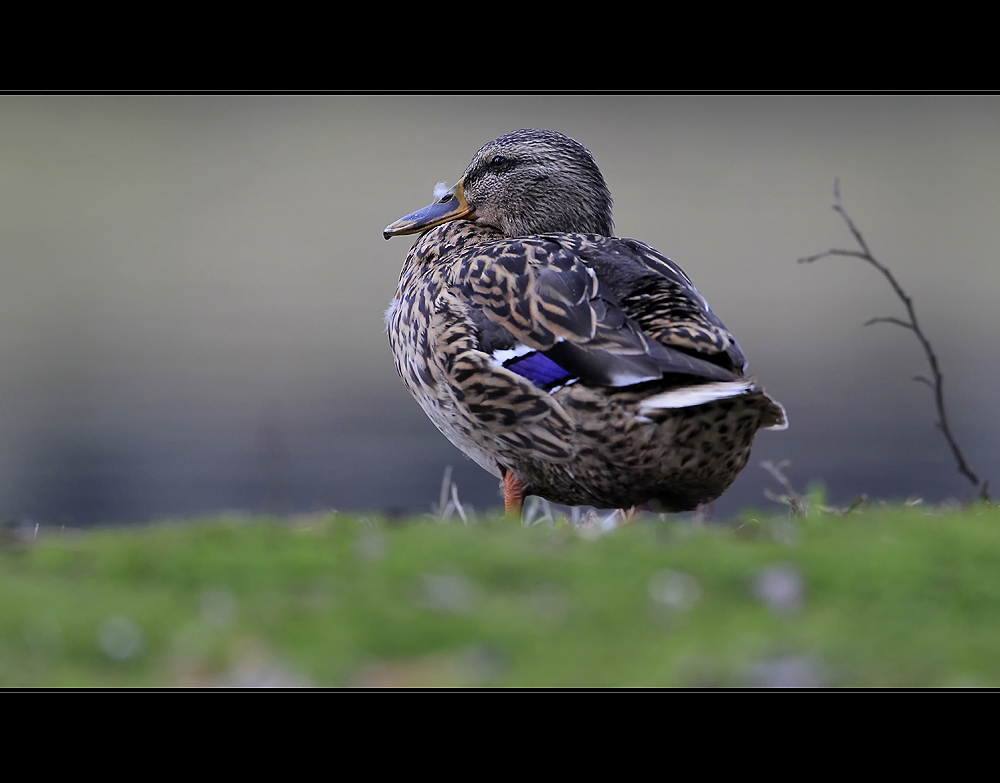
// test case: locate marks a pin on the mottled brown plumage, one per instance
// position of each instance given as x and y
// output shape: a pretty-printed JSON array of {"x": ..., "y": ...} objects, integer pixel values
[{"x": 584, "y": 365}]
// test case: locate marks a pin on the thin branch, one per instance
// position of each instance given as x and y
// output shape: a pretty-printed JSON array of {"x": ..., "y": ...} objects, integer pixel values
[
  {"x": 889, "y": 320},
  {"x": 832, "y": 252},
  {"x": 859, "y": 501},
  {"x": 802, "y": 505},
  {"x": 937, "y": 384},
  {"x": 797, "y": 502}
]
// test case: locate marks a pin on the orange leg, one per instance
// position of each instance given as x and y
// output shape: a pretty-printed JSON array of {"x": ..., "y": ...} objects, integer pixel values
[{"x": 513, "y": 494}]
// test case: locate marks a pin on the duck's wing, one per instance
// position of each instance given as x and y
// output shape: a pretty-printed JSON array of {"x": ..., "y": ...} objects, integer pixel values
[
  {"x": 660, "y": 297},
  {"x": 560, "y": 308}
]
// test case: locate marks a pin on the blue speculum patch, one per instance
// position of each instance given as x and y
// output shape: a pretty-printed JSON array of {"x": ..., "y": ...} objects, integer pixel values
[{"x": 539, "y": 369}]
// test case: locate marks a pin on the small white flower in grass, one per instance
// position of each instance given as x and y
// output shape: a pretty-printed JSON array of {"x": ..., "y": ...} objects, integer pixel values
[
  {"x": 371, "y": 544},
  {"x": 120, "y": 638},
  {"x": 793, "y": 671},
  {"x": 780, "y": 587},
  {"x": 674, "y": 589},
  {"x": 219, "y": 608},
  {"x": 450, "y": 593}
]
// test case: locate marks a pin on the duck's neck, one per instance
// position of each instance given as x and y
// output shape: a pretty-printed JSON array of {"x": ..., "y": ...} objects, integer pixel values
[{"x": 437, "y": 246}]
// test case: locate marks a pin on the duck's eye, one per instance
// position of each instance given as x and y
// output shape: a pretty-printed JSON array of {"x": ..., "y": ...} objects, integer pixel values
[{"x": 498, "y": 162}]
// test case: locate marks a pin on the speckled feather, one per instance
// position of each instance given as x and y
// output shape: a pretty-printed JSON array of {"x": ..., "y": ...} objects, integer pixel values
[{"x": 620, "y": 328}]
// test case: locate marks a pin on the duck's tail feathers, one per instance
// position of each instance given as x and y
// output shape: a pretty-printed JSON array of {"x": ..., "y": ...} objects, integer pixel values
[
  {"x": 775, "y": 417},
  {"x": 699, "y": 394},
  {"x": 689, "y": 396}
]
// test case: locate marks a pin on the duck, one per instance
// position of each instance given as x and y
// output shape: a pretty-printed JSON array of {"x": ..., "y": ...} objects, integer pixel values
[{"x": 571, "y": 364}]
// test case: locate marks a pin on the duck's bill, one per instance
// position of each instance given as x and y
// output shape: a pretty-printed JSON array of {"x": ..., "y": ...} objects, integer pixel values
[{"x": 451, "y": 206}]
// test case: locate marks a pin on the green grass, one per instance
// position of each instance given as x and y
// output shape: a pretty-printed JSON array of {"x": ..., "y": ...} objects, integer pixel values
[{"x": 885, "y": 597}]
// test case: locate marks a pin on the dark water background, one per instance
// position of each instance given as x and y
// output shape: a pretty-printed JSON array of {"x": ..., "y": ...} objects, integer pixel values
[{"x": 192, "y": 288}]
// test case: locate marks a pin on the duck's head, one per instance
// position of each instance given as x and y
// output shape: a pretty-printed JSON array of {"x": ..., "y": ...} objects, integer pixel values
[{"x": 523, "y": 183}]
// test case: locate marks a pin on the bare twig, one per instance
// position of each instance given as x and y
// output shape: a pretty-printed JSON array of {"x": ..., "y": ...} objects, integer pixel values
[
  {"x": 859, "y": 501},
  {"x": 538, "y": 511},
  {"x": 442, "y": 505},
  {"x": 796, "y": 501},
  {"x": 448, "y": 502},
  {"x": 936, "y": 383},
  {"x": 799, "y": 504}
]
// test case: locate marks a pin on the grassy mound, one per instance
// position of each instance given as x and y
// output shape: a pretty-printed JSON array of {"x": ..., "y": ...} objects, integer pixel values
[{"x": 884, "y": 597}]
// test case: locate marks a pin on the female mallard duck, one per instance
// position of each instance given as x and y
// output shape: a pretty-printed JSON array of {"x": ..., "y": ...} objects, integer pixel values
[{"x": 574, "y": 365}]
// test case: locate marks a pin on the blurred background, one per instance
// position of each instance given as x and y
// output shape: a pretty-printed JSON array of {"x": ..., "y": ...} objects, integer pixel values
[{"x": 192, "y": 288}]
